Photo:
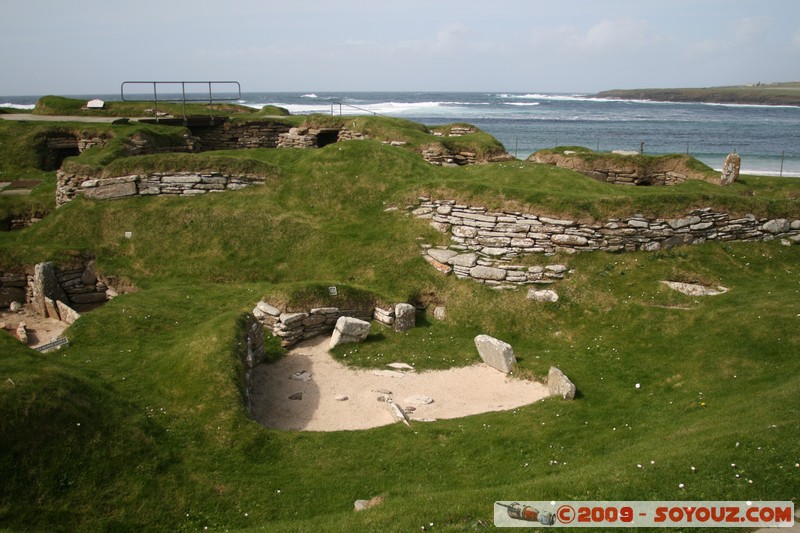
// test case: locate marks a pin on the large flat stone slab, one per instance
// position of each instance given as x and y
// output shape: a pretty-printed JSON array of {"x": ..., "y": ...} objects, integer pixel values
[
  {"x": 110, "y": 192},
  {"x": 349, "y": 330},
  {"x": 695, "y": 289},
  {"x": 496, "y": 353}
]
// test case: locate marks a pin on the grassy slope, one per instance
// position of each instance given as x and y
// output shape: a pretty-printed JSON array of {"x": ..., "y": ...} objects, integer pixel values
[
  {"x": 151, "y": 377},
  {"x": 772, "y": 94}
]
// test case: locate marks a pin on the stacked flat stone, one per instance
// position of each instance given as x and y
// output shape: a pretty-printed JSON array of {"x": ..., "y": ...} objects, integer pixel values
[
  {"x": 485, "y": 239},
  {"x": 294, "y": 328},
  {"x": 156, "y": 183}
]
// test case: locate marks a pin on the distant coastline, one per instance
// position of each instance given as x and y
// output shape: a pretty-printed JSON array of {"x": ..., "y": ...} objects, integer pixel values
[{"x": 787, "y": 93}]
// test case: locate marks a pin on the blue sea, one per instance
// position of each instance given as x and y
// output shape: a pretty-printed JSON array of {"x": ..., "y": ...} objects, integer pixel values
[{"x": 766, "y": 137}]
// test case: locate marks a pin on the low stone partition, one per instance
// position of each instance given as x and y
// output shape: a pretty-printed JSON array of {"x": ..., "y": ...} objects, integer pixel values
[
  {"x": 478, "y": 234},
  {"x": 71, "y": 185},
  {"x": 441, "y": 156},
  {"x": 296, "y": 327}
]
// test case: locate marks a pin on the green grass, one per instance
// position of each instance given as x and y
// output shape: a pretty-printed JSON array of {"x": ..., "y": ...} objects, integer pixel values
[
  {"x": 153, "y": 376},
  {"x": 59, "y": 105}
]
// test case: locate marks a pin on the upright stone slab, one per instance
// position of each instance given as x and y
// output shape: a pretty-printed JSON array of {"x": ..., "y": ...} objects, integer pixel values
[
  {"x": 730, "y": 169},
  {"x": 45, "y": 285},
  {"x": 559, "y": 384},
  {"x": 349, "y": 330},
  {"x": 51, "y": 310},
  {"x": 405, "y": 317},
  {"x": 496, "y": 353},
  {"x": 67, "y": 314}
]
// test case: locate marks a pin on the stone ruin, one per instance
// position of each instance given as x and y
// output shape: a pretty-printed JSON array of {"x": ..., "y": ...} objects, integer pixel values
[{"x": 51, "y": 292}]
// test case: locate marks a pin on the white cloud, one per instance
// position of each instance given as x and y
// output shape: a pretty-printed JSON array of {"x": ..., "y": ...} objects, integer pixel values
[
  {"x": 619, "y": 35},
  {"x": 452, "y": 38},
  {"x": 358, "y": 42},
  {"x": 794, "y": 45},
  {"x": 750, "y": 29}
]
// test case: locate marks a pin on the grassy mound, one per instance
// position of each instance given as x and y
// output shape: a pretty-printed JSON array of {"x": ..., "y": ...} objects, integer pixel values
[
  {"x": 586, "y": 160},
  {"x": 164, "y": 442},
  {"x": 60, "y": 105}
]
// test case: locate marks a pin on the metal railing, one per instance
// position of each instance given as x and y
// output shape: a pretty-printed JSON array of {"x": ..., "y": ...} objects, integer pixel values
[
  {"x": 210, "y": 99},
  {"x": 340, "y": 104}
]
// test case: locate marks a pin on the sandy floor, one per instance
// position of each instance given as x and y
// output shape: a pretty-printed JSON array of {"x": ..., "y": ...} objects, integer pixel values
[
  {"x": 455, "y": 393},
  {"x": 40, "y": 330}
]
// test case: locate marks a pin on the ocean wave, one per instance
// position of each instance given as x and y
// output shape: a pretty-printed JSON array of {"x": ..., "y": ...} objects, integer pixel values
[
  {"x": 381, "y": 108},
  {"x": 18, "y": 106},
  {"x": 553, "y": 97},
  {"x": 758, "y": 106},
  {"x": 522, "y": 103},
  {"x": 309, "y": 95},
  {"x": 666, "y": 102}
]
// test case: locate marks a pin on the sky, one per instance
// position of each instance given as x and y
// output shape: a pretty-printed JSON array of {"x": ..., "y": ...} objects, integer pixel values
[{"x": 584, "y": 46}]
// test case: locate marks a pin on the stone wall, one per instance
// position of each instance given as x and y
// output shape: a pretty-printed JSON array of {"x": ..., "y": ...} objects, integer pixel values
[
  {"x": 251, "y": 352},
  {"x": 237, "y": 136},
  {"x": 77, "y": 286},
  {"x": 268, "y": 134},
  {"x": 485, "y": 243},
  {"x": 14, "y": 288},
  {"x": 174, "y": 183},
  {"x": 296, "y": 327},
  {"x": 56, "y": 146},
  {"x": 627, "y": 169}
]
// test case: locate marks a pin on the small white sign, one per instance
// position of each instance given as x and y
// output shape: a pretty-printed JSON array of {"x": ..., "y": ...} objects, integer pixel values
[
  {"x": 332, "y": 291},
  {"x": 95, "y": 104}
]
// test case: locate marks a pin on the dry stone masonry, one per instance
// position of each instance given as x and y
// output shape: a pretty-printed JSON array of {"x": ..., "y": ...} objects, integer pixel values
[
  {"x": 625, "y": 169},
  {"x": 71, "y": 185},
  {"x": 268, "y": 134},
  {"x": 55, "y": 292},
  {"x": 485, "y": 244},
  {"x": 296, "y": 327},
  {"x": 252, "y": 354}
]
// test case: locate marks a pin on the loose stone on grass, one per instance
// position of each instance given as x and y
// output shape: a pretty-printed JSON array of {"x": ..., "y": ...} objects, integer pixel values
[
  {"x": 545, "y": 295},
  {"x": 496, "y": 353},
  {"x": 694, "y": 289},
  {"x": 559, "y": 384},
  {"x": 405, "y": 317}
]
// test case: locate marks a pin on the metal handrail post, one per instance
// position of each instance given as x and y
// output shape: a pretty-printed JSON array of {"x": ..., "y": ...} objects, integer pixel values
[
  {"x": 155, "y": 99},
  {"x": 210, "y": 104},
  {"x": 183, "y": 95}
]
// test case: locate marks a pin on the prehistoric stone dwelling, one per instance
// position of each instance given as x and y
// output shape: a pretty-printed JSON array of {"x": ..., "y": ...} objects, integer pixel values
[{"x": 625, "y": 168}]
